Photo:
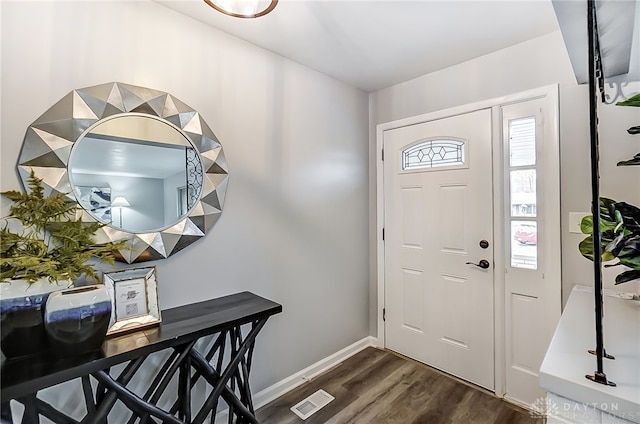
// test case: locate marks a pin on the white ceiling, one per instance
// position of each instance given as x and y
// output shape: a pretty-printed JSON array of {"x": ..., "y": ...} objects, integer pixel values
[
  {"x": 373, "y": 44},
  {"x": 119, "y": 157}
]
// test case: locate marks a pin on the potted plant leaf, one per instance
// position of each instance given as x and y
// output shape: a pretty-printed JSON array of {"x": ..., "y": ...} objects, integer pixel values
[
  {"x": 619, "y": 224},
  {"x": 620, "y": 237},
  {"x": 43, "y": 248},
  {"x": 632, "y": 102}
]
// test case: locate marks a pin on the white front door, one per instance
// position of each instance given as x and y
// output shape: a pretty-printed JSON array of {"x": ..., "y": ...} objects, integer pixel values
[{"x": 438, "y": 220}]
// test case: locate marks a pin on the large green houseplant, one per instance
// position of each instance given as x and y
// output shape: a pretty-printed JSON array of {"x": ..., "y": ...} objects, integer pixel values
[{"x": 619, "y": 224}]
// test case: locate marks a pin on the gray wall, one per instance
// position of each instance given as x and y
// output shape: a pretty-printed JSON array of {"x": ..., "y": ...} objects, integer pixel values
[
  {"x": 532, "y": 64},
  {"x": 294, "y": 225}
]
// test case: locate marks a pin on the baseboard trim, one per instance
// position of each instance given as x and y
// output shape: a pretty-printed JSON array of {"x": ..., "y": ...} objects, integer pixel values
[
  {"x": 517, "y": 402},
  {"x": 278, "y": 389},
  {"x": 286, "y": 385}
]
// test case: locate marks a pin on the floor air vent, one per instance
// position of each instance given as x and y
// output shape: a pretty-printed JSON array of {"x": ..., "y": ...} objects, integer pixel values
[{"x": 309, "y": 406}]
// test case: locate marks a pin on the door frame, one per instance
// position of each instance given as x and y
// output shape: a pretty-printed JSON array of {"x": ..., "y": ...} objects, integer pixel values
[{"x": 550, "y": 94}]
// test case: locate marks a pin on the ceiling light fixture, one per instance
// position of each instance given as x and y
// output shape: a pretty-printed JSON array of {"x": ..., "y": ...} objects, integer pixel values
[{"x": 243, "y": 8}]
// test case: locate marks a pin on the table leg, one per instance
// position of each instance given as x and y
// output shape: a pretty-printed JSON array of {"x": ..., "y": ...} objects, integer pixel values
[{"x": 5, "y": 413}]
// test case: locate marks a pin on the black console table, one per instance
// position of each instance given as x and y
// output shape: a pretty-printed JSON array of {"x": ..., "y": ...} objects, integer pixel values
[{"x": 179, "y": 331}]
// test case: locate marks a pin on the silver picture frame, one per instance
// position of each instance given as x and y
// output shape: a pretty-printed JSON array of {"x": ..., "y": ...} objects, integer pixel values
[{"x": 134, "y": 299}]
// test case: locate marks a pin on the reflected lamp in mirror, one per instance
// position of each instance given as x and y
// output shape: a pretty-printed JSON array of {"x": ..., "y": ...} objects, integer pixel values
[
  {"x": 120, "y": 202},
  {"x": 143, "y": 144},
  {"x": 243, "y": 8}
]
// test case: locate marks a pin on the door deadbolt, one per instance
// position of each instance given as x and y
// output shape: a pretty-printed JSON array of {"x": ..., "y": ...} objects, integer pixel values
[{"x": 484, "y": 244}]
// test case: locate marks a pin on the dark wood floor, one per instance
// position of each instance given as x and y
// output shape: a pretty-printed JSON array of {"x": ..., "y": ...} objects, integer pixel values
[{"x": 379, "y": 387}]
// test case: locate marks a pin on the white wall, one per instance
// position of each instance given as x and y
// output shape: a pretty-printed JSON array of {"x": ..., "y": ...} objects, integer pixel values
[
  {"x": 532, "y": 64},
  {"x": 294, "y": 225}
]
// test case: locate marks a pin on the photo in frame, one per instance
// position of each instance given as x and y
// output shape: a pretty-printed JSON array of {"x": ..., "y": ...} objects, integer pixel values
[{"x": 134, "y": 299}]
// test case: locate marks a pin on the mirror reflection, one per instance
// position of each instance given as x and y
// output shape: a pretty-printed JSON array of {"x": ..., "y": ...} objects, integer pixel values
[{"x": 136, "y": 173}]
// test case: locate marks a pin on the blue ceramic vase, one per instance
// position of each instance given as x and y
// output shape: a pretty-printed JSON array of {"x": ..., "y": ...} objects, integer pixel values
[
  {"x": 22, "y": 316},
  {"x": 76, "y": 320}
]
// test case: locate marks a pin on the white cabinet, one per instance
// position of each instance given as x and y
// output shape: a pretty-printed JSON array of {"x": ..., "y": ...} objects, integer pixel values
[{"x": 572, "y": 398}]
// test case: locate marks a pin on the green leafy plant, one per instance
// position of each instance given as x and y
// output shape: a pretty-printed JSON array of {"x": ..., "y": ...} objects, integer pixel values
[
  {"x": 631, "y": 162},
  {"x": 42, "y": 238},
  {"x": 633, "y": 101},
  {"x": 619, "y": 224},
  {"x": 620, "y": 237}
]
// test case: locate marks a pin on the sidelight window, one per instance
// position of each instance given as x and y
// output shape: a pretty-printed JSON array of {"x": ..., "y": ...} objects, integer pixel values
[{"x": 523, "y": 195}]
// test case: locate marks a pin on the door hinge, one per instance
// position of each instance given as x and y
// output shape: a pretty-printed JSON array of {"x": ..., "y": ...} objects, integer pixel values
[
  {"x": 383, "y": 234},
  {"x": 384, "y": 314},
  {"x": 383, "y": 155}
]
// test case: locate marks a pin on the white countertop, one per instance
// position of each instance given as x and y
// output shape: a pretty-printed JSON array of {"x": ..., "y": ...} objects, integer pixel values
[{"x": 567, "y": 360}]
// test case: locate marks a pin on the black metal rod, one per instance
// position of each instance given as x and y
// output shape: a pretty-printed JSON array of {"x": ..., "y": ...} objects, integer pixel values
[
  {"x": 5, "y": 413},
  {"x": 163, "y": 370},
  {"x": 595, "y": 181},
  {"x": 161, "y": 373},
  {"x": 219, "y": 362},
  {"x": 250, "y": 354},
  {"x": 53, "y": 414},
  {"x": 228, "y": 372},
  {"x": 213, "y": 378},
  {"x": 168, "y": 376},
  {"x": 101, "y": 394},
  {"x": 218, "y": 344},
  {"x": 88, "y": 395},
  {"x": 243, "y": 375},
  {"x": 184, "y": 390},
  {"x": 101, "y": 391},
  {"x": 184, "y": 351},
  {"x": 235, "y": 360},
  {"x": 247, "y": 388},
  {"x": 133, "y": 401},
  {"x": 110, "y": 398},
  {"x": 31, "y": 414},
  {"x": 233, "y": 340}
]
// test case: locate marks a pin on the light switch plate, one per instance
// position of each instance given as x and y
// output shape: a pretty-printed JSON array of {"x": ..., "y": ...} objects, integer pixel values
[{"x": 575, "y": 218}]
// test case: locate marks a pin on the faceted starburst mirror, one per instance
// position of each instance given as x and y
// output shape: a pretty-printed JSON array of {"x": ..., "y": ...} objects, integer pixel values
[{"x": 93, "y": 139}]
